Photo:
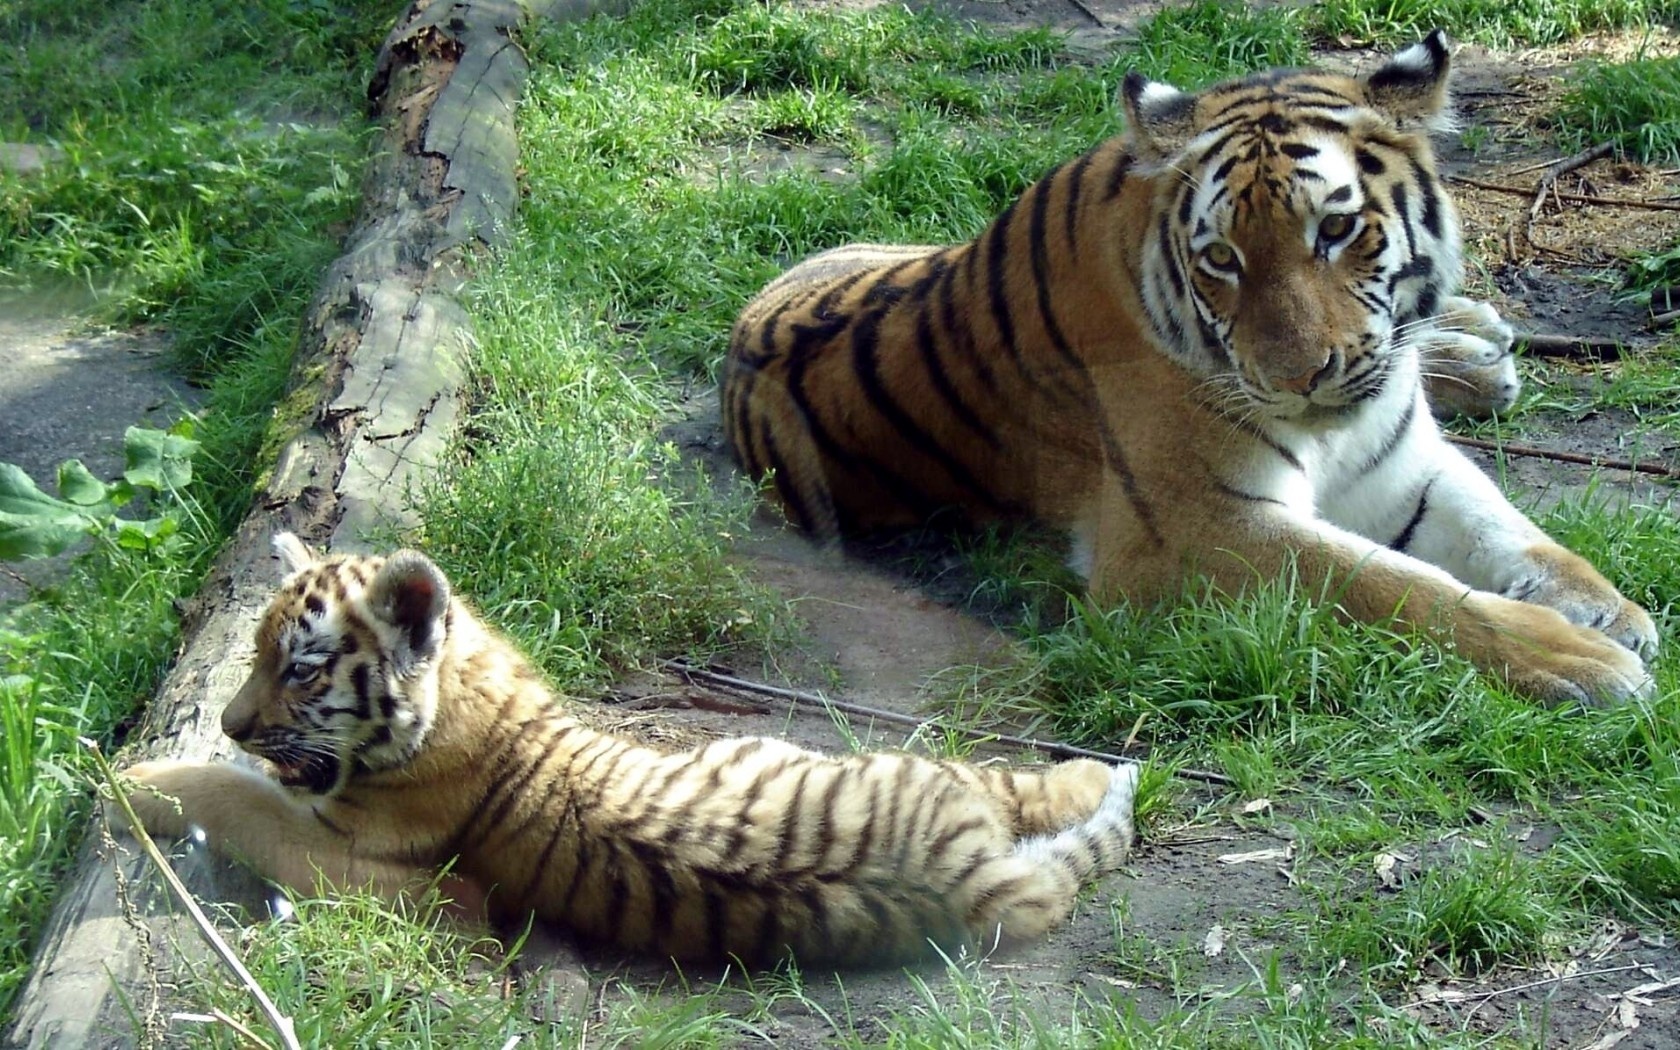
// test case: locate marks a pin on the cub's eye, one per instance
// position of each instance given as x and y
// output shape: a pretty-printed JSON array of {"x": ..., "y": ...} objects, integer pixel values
[
  {"x": 1222, "y": 257},
  {"x": 301, "y": 673},
  {"x": 1333, "y": 228}
]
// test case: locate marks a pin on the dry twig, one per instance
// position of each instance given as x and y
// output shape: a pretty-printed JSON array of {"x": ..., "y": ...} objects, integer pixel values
[
  {"x": 1573, "y": 198},
  {"x": 1482, "y": 997},
  {"x": 706, "y": 676},
  {"x": 1546, "y": 344},
  {"x": 1535, "y": 452},
  {"x": 1548, "y": 181}
]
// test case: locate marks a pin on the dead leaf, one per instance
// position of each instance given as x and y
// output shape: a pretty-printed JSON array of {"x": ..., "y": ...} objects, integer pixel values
[
  {"x": 1384, "y": 864},
  {"x": 1257, "y": 805},
  {"x": 1214, "y": 943},
  {"x": 1254, "y": 855},
  {"x": 1118, "y": 982}
]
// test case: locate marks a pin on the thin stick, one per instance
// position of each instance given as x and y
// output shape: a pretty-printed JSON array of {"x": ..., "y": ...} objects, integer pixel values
[
  {"x": 801, "y": 699},
  {"x": 1666, "y": 318},
  {"x": 1535, "y": 452},
  {"x": 1546, "y": 344},
  {"x": 1548, "y": 181},
  {"x": 1482, "y": 997},
  {"x": 1088, "y": 13},
  {"x": 281, "y": 1023},
  {"x": 1576, "y": 198}
]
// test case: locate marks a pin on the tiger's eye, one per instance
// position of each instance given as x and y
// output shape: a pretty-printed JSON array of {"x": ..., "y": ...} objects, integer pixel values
[
  {"x": 1221, "y": 256},
  {"x": 1335, "y": 227}
]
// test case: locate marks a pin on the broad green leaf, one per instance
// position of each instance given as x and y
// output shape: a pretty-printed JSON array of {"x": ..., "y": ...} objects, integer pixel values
[
  {"x": 157, "y": 459},
  {"x": 146, "y": 535},
  {"x": 78, "y": 485},
  {"x": 32, "y": 523}
]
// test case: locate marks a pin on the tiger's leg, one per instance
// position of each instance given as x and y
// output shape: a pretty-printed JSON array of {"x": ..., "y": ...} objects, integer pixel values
[
  {"x": 249, "y": 816},
  {"x": 1442, "y": 509},
  {"x": 1468, "y": 366},
  {"x": 1533, "y": 647},
  {"x": 1040, "y": 800}
]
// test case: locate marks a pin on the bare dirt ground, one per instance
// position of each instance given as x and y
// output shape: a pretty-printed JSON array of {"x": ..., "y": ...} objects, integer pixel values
[{"x": 69, "y": 389}]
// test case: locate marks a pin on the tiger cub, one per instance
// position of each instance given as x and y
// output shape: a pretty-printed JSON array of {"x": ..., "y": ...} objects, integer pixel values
[
  {"x": 1201, "y": 348},
  {"x": 401, "y": 732}
]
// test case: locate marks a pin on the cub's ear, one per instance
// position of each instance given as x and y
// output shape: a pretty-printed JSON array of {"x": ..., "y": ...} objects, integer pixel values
[
  {"x": 1160, "y": 118},
  {"x": 1411, "y": 87},
  {"x": 294, "y": 555},
  {"x": 412, "y": 595}
]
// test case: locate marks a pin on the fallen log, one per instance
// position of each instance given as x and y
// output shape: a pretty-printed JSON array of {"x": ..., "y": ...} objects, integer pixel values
[{"x": 380, "y": 359}]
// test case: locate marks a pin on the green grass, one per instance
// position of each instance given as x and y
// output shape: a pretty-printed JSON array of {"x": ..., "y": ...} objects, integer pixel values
[
  {"x": 1495, "y": 23},
  {"x": 1635, "y": 105},
  {"x": 208, "y": 159}
]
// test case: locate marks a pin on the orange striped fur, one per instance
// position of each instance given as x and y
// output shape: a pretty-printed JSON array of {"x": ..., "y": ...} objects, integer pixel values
[
  {"x": 401, "y": 733},
  {"x": 1202, "y": 347}
]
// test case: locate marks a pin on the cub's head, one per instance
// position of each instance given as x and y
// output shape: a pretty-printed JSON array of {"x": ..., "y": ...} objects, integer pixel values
[
  {"x": 1300, "y": 230},
  {"x": 345, "y": 674}
]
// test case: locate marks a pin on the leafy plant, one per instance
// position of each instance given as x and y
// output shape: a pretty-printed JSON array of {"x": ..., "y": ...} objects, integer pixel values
[{"x": 36, "y": 525}]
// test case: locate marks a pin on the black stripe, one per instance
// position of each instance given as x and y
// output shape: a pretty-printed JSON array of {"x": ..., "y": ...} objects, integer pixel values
[
  {"x": 959, "y": 327},
  {"x": 786, "y": 484},
  {"x": 1076, "y": 186},
  {"x": 1299, "y": 150},
  {"x": 1116, "y": 460},
  {"x": 928, "y": 346},
  {"x": 1247, "y": 497},
  {"x": 1404, "y": 540},
  {"x": 908, "y": 495},
  {"x": 363, "y": 687},
  {"x": 1254, "y": 431},
  {"x": 1393, "y": 441},
  {"x": 866, "y": 364},
  {"x": 787, "y": 839},
  {"x": 1079, "y": 385},
  {"x": 1117, "y": 176}
]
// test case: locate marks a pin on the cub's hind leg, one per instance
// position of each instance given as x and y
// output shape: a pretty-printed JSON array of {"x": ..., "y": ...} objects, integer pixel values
[
  {"x": 1035, "y": 801},
  {"x": 1023, "y": 895}
]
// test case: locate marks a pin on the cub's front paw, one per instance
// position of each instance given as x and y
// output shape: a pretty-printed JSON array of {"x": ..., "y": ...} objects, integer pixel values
[
  {"x": 1560, "y": 579},
  {"x": 1468, "y": 367},
  {"x": 1542, "y": 654},
  {"x": 151, "y": 788}
]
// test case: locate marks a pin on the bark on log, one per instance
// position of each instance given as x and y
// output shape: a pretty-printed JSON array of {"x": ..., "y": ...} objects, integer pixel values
[{"x": 380, "y": 358}]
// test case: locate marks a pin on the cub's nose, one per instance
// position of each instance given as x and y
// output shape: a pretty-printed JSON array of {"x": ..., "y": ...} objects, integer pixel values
[{"x": 237, "y": 725}]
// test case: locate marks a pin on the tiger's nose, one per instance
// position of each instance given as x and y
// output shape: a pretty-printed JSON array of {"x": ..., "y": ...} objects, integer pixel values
[{"x": 1308, "y": 381}]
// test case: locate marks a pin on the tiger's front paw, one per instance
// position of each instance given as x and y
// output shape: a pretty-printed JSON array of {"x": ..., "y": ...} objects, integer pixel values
[
  {"x": 152, "y": 789},
  {"x": 1468, "y": 366},
  {"x": 1560, "y": 579},
  {"x": 1540, "y": 653}
]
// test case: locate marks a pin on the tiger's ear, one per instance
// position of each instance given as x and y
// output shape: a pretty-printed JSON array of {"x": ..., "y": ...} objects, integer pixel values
[
  {"x": 411, "y": 594},
  {"x": 294, "y": 555},
  {"x": 1161, "y": 118},
  {"x": 1411, "y": 88}
]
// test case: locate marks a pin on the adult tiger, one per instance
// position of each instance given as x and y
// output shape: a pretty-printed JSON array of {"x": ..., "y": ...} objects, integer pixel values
[
  {"x": 402, "y": 734},
  {"x": 1198, "y": 347}
]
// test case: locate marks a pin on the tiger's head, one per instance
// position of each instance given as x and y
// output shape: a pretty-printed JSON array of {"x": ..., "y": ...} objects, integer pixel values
[
  {"x": 1302, "y": 238},
  {"x": 345, "y": 674}
]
